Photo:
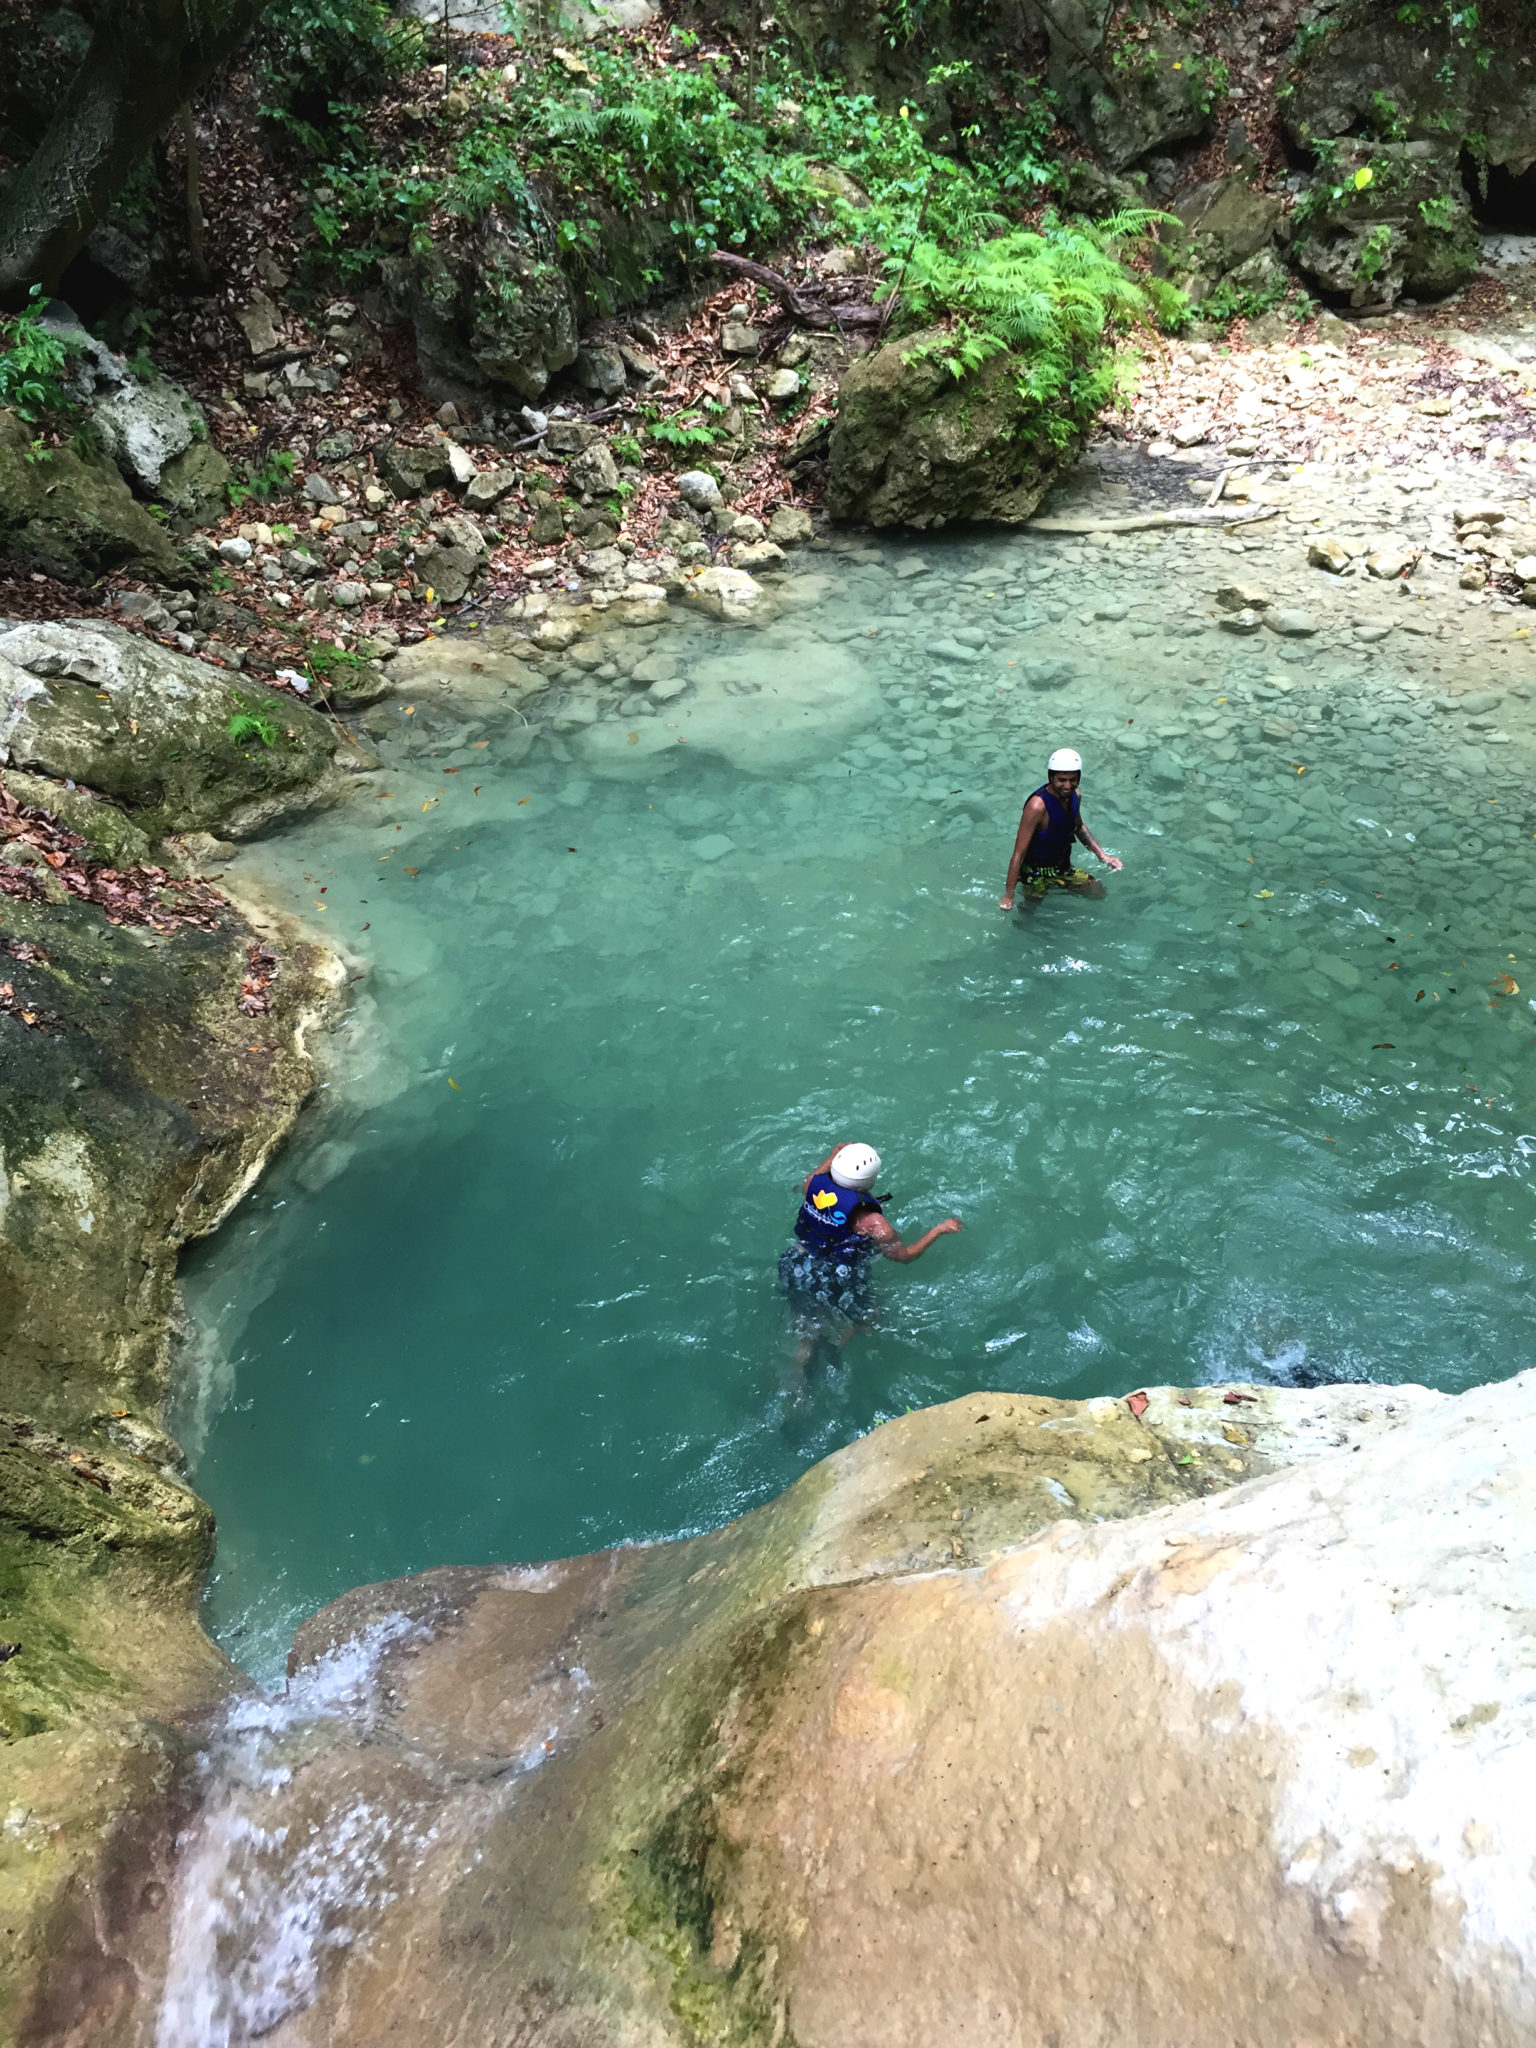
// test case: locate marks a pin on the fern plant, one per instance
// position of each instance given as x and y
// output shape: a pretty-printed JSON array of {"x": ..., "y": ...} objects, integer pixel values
[
  {"x": 34, "y": 362},
  {"x": 1054, "y": 298}
]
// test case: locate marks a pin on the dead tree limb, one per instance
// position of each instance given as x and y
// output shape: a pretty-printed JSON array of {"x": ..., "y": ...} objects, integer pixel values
[{"x": 806, "y": 311}]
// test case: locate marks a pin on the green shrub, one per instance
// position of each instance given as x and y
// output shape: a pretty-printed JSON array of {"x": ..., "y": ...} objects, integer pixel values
[
  {"x": 330, "y": 667},
  {"x": 1055, "y": 297},
  {"x": 34, "y": 362},
  {"x": 264, "y": 481},
  {"x": 252, "y": 722}
]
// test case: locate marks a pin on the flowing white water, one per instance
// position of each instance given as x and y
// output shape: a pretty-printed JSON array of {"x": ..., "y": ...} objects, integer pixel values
[{"x": 257, "y": 1910}]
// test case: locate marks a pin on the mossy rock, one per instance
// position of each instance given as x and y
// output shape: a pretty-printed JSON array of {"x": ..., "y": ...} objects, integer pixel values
[
  {"x": 94, "y": 703},
  {"x": 914, "y": 446},
  {"x": 196, "y": 484},
  {"x": 488, "y": 309},
  {"x": 110, "y": 835},
  {"x": 130, "y": 1114},
  {"x": 75, "y": 516},
  {"x": 1222, "y": 223},
  {"x": 1407, "y": 227}
]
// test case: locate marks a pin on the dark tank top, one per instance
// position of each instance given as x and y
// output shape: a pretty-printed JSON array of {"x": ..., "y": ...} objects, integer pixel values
[{"x": 1052, "y": 844}]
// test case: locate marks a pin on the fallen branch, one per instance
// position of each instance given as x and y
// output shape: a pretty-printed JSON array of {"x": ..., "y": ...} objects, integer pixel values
[
  {"x": 1195, "y": 516},
  {"x": 795, "y": 303}
]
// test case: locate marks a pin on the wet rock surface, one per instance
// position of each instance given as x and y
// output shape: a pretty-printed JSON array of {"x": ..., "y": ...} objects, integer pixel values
[
  {"x": 1009, "y": 1677},
  {"x": 142, "y": 1085}
]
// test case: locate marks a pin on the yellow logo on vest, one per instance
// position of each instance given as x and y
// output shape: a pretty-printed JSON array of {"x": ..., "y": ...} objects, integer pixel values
[{"x": 825, "y": 1200}]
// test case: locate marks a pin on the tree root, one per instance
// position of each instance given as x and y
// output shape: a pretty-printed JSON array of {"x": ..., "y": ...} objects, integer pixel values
[
  {"x": 1138, "y": 521},
  {"x": 799, "y": 308}
]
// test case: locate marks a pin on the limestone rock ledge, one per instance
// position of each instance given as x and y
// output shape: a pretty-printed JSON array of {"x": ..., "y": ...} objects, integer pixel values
[
  {"x": 1185, "y": 1721},
  {"x": 136, "y": 1105}
]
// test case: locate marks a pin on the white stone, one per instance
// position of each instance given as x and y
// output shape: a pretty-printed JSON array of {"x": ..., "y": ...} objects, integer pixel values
[
  {"x": 729, "y": 594},
  {"x": 1327, "y": 552},
  {"x": 696, "y": 487}
]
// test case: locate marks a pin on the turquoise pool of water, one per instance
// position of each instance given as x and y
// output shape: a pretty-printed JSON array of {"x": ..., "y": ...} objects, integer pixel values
[{"x": 511, "y": 1294}]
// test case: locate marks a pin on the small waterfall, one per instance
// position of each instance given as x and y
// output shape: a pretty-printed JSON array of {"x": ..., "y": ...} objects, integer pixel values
[
  {"x": 272, "y": 1881},
  {"x": 317, "y": 1809}
]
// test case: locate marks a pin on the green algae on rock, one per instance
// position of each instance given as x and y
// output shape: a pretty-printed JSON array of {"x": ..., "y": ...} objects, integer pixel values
[
  {"x": 75, "y": 515},
  {"x": 916, "y": 446},
  {"x": 169, "y": 735}
]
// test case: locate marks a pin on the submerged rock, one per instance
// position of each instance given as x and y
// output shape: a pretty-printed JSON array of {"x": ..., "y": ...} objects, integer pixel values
[{"x": 914, "y": 446}]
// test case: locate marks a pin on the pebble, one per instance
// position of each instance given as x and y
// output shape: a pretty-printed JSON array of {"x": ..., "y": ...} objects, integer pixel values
[
  {"x": 1245, "y": 621},
  {"x": 951, "y": 650},
  {"x": 320, "y": 490},
  {"x": 235, "y": 550},
  {"x": 1292, "y": 623},
  {"x": 696, "y": 487}
]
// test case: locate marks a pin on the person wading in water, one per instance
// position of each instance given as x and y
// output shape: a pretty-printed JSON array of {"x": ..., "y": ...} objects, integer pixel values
[
  {"x": 1051, "y": 825},
  {"x": 838, "y": 1231}
]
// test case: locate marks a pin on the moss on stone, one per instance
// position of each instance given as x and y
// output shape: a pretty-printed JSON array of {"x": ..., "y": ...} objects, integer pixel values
[{"x": 76, "y": 516}]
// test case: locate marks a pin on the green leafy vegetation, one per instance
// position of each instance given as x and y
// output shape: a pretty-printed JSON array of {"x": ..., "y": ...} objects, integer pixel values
[
  {"x": 1054, "y": 297},
  {"x": 628, "y": 168},
  {"x": 252, "y": 721},
  {"x": 629, "y": 171},
  {"x": 34, "y": 362},
  {"x": 330, "y": 667},
  {"x": 1375, "y": 252},
  {"x": 264, "y": 481}
]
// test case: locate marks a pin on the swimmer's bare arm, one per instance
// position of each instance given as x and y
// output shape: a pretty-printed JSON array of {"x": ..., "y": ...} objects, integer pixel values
[
  {"x": 886, "y": 1241},
  {"x": 1110, "y": 860},
  {"x": 1034, "y": 811}
]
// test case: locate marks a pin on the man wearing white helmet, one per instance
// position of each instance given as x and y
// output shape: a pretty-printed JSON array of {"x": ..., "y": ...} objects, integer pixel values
[
  {"x": 1051, "y": 826},
  {"x": 839, "y": 1229}
]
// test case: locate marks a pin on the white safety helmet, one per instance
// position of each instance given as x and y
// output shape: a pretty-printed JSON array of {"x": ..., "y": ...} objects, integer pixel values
[
  {"x": 856, "y": 1167},
  {"x": 1065, "y": 761}
]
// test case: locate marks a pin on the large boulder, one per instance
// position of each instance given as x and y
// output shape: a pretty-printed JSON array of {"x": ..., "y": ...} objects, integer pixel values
[
  {"x": 489, "y": 310},
  {"x": 74, "y": 516},
  {"x": 143, "y": 423},
  {"x": 916, "y": 446},
  {"x": 1125, "y": 96},
  {"x": 1171, "y": 1720},
  {"x": 1384, "y": 218},
  {"x": 186, "y": 743},
  {"x": 1224, "y": 224}
]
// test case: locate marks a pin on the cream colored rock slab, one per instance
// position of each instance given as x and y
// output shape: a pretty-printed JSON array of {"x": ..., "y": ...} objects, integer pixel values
[
  {"x": 460, "y": 663},
  {"x": 730, "y": 595}
]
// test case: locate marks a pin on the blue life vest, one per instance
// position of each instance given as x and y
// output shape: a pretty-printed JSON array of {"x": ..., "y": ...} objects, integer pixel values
[
  {"x": 829, "y": 1212},
  {"x": 1052, "y": 844}
]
